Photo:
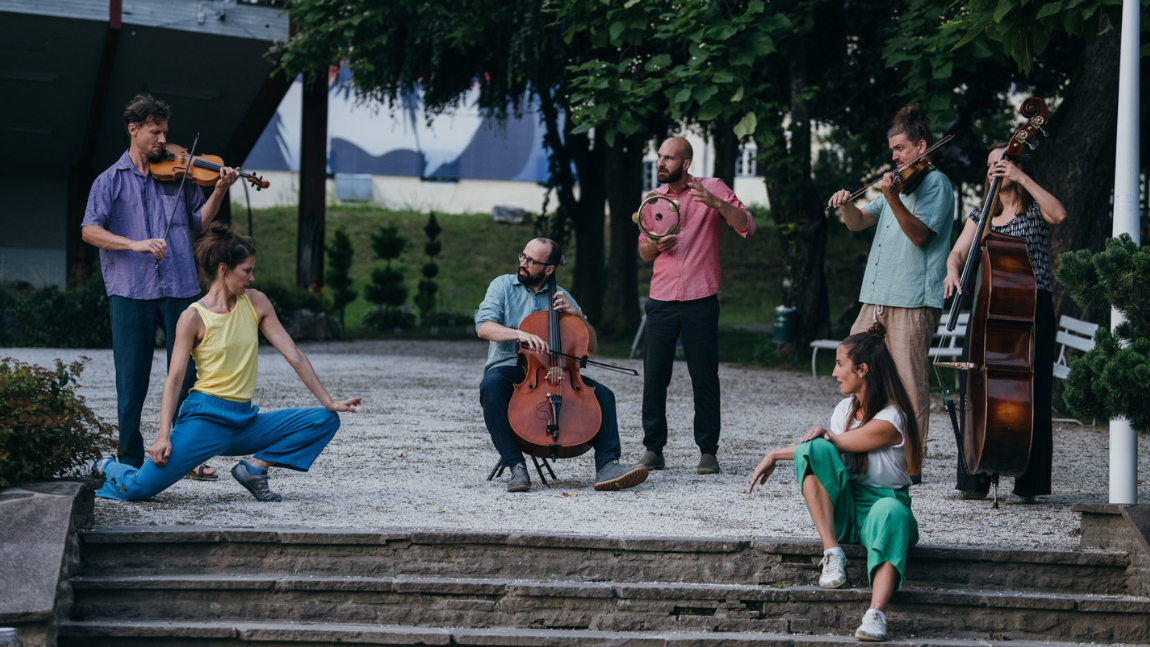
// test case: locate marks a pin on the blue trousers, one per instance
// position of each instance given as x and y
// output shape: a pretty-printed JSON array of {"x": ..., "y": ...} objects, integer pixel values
[
  {"x": 133, "y": 343},
  {"x": 495, "y": 394},
  {"x": 209, "y": 426}
]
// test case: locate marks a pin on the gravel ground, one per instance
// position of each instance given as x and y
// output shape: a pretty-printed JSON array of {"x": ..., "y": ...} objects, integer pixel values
[{"x": 417, "y": 454}]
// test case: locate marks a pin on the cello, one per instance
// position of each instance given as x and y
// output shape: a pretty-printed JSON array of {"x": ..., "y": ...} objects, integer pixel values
[
  {"x": 553, "y": 413},
  {"x": 997, "y": 401}
]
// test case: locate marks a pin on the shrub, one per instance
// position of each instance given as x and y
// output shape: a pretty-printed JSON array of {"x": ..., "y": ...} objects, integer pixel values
[
  {"x": 339, "y": 257},
  {"x": 48, "y": 317},
  {"x": 387, "y": 290},
  {"x": 425, "y": 299},
  {"x": 289, "y": 298},
  {"x": 46, "y": 429},
  {"x": 1113, "y": 379}
]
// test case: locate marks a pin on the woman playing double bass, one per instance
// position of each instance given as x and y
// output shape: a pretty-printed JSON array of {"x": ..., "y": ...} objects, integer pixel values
[
  {"x": 1024, "y": 210},
  {"x": 510, "y": 299}
]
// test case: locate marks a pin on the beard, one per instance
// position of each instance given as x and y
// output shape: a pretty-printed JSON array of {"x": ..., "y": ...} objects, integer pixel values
[
  {"x": 666, "y": 177},
  {"x": 529, "y": 279}
]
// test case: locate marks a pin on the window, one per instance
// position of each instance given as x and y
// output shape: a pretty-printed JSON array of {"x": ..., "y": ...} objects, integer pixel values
[{"x": 745, "y": 166}]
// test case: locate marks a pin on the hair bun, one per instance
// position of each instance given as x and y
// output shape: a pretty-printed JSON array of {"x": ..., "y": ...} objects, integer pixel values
[
  {"x": 217, "y": 228},
  {"x": 877, "y": 330},
  {"x": 911, "y": 115}
]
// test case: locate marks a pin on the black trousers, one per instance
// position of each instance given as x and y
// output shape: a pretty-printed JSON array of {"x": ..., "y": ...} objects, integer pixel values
[
  {"x": 1035, "y": 481},
  {"x": 698, "y": 321}
]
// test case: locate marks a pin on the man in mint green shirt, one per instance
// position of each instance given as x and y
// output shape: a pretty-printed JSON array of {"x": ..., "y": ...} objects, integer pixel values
[{"x": 902, "y": 287}]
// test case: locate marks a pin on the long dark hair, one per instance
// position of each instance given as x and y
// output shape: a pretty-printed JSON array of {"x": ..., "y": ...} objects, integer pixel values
[
  {"x": 883, "y": 387},
  {"x": 1021, "y": 195},
  {"x": 221, "y": 244}
]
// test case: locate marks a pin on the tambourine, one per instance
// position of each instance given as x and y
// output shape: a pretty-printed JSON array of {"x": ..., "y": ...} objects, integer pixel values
[{"x": 657, "y": 217}]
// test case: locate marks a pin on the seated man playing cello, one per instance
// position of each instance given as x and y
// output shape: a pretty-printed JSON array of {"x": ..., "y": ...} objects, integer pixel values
[{"x": 510, "y": 299}]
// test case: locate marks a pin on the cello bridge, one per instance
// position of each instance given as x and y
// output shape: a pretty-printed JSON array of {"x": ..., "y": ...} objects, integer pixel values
[{"x": 555, "y": 375}]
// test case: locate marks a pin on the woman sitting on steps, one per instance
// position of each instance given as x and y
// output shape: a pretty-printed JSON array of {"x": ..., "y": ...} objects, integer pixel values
[
  {"x": 221, "y": 332},
  {"x": 855, "y": 476}
]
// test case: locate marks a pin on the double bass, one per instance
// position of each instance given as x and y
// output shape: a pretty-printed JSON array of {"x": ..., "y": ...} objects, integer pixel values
[
  {"x": 553, "y": 413},
  {"x": 997, "y": 401}
]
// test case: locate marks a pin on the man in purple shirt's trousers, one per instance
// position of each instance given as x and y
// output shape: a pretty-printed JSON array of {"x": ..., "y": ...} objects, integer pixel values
[{"x": 127, "y": 217}]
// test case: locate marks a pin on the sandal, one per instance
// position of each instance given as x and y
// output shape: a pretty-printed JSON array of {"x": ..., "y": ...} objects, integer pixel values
[{"x": 201, "y": 474}]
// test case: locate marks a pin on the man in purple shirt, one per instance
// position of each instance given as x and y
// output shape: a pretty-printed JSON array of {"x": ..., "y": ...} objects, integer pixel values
[{"x": 148, "y": 269}]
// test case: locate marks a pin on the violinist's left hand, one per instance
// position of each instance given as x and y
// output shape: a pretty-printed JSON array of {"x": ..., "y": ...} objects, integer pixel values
[
  {"x": 888, "y": 185},
  {"x": 563, "y": 304},
  {"x": 228, "y": 177}
]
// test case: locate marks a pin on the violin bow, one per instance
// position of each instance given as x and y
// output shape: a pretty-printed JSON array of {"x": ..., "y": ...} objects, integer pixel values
[
  {"x": 183, "y": 180},
  {"x": 926, "y": 152},
  {"x": 584, "y": 362}
]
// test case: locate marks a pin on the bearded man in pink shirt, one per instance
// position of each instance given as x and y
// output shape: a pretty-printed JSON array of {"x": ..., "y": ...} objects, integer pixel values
[{"x": 685, "y": 299}]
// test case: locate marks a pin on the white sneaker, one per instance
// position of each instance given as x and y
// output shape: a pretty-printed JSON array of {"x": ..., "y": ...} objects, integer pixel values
[
  {"x": 834, "y": 565},
  {"x": 873, "y": 627}
]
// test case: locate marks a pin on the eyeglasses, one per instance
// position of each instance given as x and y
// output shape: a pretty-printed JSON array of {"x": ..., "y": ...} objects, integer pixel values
[{"x": 531, "y": 262}]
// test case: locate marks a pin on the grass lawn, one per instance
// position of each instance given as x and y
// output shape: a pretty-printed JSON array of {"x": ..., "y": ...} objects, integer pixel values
[{"x": 475, "y": 250}]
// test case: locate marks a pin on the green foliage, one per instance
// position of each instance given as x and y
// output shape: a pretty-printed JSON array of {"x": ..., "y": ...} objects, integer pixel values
[
  {"x": 425, "y": 298},
  {"x": 46, "y": 429},
  {"x": 656, "y": 64},
  {"x": 339, "y": 259},
  {"x": 388, "y": 244},
  {"x": 1113, "y": 379},
  {"x": 287, "y": 298},
  {"x": 1025, "y": 29},
  {"x": 387, "y": 290},
  {"x": 51, "y": 318}
]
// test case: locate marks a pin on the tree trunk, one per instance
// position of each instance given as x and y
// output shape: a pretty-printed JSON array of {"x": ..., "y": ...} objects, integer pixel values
[
  {"x": 800, "y": 220},
  {"x": 589, "y": 223},
  {"x": 624, "y": 174},
  {"x": 312, "y": 183},
  {"x": 726, "y": 153},
  {"x": 586, "y": 214},
  {"x": 1076, "y": 163}
]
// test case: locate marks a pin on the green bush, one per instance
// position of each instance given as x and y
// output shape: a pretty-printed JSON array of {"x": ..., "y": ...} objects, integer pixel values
[
  {"x": 48, "y": 317},
  {"x": 46, "y": 429},
  {"x": 289, "y": 298}
]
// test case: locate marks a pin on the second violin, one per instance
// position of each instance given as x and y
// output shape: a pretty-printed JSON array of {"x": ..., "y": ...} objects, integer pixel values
[{"x": 202, "y": 169}]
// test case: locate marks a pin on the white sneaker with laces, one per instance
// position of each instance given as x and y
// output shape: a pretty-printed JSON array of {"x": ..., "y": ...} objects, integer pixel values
[
  {"x": 873, "y": 627},
  {"x": 834, "y": 565}
]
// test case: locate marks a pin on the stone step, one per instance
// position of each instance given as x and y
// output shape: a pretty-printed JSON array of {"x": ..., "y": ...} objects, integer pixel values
[
  {"x": 607, "y": 606},
  {"x": 235, "y": 634},
  {"x": 191, "y": 550}
]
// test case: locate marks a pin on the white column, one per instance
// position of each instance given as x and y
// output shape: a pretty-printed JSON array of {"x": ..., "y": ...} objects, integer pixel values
[{"x": 1123, "y": 440}]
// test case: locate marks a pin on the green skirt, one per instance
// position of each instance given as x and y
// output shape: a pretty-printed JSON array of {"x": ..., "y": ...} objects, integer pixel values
[{"x": 878, "y": 518}]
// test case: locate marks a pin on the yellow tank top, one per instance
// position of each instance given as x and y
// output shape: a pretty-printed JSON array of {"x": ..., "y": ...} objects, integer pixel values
[{"x": 227, "y": 358}]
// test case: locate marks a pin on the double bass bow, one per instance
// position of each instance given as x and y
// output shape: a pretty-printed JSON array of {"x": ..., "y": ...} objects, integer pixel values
[
  {"x": 997, "y": 399},
  {"x": 553, "y": 412}
]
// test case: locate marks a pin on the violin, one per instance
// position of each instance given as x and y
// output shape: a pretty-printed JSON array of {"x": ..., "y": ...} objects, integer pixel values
[
  {"x": 203, "y": 169},
  {"x": 906, "y": 177},
  {"x": 553, "y": 413}
]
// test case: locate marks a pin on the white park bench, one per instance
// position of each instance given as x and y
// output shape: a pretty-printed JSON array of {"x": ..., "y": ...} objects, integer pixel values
[
  {"x": 1077, "y": 335},
  {"x": 951, "y": 350}
]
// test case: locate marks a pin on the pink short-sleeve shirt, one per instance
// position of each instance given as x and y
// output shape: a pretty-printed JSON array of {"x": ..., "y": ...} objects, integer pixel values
[{"x": 690, "y": 269}]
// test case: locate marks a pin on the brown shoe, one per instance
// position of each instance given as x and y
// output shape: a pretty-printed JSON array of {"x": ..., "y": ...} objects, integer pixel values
[
  {"x": 653, "y": 461},
  {"x": 708, "y": 464}
]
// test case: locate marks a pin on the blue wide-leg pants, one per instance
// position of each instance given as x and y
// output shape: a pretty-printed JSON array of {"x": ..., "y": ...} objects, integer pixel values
[{"x": 208, "y": 426}]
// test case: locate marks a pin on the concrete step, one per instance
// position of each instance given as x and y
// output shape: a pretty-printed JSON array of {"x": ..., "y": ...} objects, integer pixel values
[
  {"x": 191, "y": 550},
  {"x": 235, "y": 634},
  {"x": 607, "y": 606}
]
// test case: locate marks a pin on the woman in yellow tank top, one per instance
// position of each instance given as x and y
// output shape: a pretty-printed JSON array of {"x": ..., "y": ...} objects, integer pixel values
[{"x": 221, "y": 332}]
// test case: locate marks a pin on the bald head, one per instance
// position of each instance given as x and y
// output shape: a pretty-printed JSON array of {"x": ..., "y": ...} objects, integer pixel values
[
  {"x": 675, "y": 155},
  {"x": 681, "y": 146}
]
